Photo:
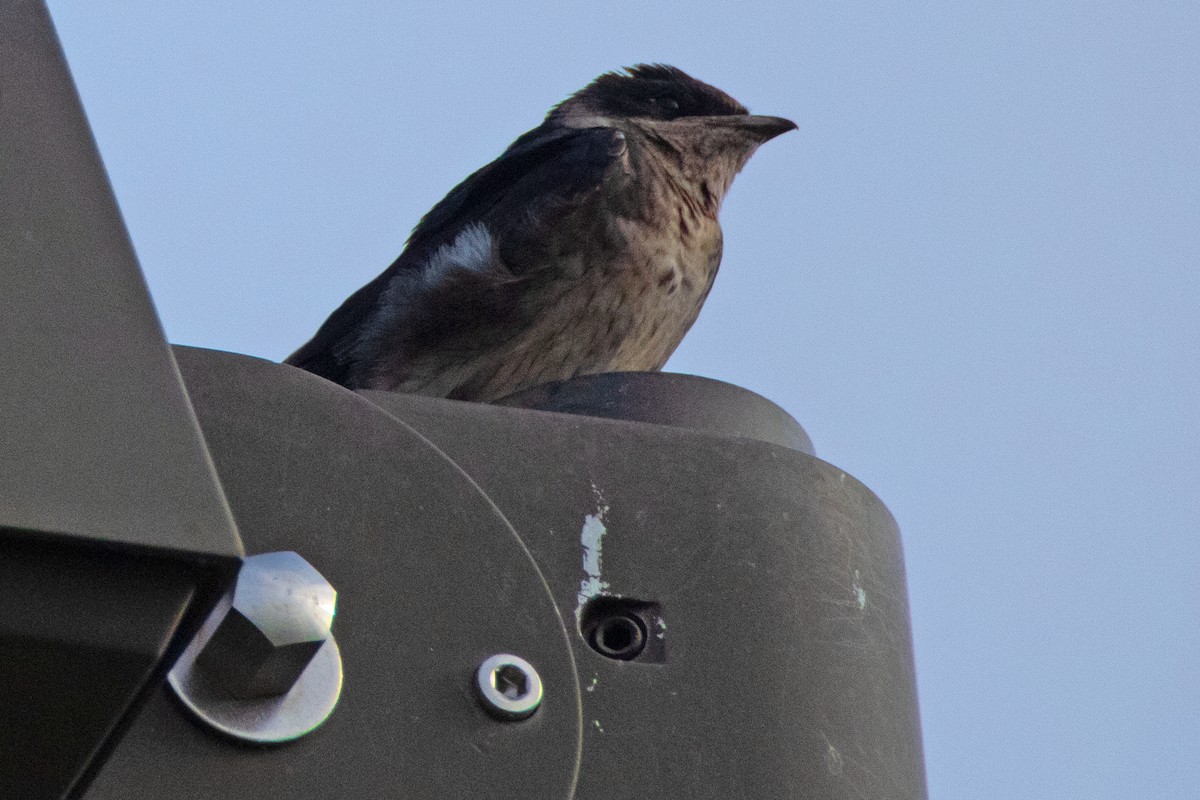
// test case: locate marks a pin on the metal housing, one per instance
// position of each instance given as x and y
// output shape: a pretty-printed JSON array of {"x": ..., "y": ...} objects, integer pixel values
[{"x": 454, "y": 531}]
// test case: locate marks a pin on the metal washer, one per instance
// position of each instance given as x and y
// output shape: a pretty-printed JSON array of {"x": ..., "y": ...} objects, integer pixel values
[
  {"x": 271, "y": 720},
  {"x": 495, "y": 700}
]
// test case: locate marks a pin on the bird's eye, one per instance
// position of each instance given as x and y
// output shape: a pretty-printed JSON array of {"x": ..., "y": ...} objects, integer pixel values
[{"x": 665, "y": 106}]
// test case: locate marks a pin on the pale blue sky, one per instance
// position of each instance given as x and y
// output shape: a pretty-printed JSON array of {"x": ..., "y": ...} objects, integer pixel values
[{"x": 973, "y": 275}]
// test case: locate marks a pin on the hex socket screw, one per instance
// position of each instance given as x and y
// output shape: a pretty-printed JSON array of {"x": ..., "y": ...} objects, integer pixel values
[{"x": 509, "y": 687}]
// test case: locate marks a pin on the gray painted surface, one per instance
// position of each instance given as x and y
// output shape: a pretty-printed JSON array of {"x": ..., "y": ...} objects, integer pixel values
[
  {"x": 99, "y": 440},
  {"x": 787, "y": 667},
  {"x": 98, "y": 444}
]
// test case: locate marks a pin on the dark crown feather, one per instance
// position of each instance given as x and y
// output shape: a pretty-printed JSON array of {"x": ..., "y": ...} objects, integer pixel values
[{"x": 658, "y": 91}]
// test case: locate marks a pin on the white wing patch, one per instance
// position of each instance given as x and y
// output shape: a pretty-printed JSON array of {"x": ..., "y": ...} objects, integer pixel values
[{"x": 470, "y": 250}]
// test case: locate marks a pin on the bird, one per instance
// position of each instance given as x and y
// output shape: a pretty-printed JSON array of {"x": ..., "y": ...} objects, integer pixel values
[{"x": 588, "y": 246}]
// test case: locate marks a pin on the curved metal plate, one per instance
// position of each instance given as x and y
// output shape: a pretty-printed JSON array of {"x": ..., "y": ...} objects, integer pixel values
[
  {"x": 703, "y": 405},
  {"x": 431, "y": 580},
  {"x": 772, "y": 581}
]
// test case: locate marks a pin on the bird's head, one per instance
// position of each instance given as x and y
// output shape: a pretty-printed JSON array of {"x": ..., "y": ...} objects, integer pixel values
[{"x": 710, "y": 135}]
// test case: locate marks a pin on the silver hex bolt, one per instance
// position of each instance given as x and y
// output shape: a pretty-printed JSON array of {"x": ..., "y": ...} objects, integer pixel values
[
  {"x": 265, "y": 667},
  {"x": 280, "y": 615},
  {"x": 508, "y": 686}
]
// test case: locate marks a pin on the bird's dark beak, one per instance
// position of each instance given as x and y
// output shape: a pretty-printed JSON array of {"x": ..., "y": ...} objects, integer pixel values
[{"x": 764, "y": 128}]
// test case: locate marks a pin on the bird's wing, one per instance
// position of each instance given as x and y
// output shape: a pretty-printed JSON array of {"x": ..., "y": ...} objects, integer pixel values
[
  {"x": 542, "y": 175},
  {"x": 520, "y": 196}
]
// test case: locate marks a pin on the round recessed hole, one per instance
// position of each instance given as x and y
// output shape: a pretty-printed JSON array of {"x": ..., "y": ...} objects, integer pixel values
[{"x": 620, "y": 635}]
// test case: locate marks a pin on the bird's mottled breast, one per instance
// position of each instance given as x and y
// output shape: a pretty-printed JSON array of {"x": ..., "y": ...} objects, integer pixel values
[{"x": 643, "y": 299}]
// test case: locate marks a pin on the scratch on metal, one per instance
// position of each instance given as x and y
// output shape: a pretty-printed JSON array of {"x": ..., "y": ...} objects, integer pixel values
[
  {"x": 860, "y": 594},
  {"x": 591, "y": 538}
]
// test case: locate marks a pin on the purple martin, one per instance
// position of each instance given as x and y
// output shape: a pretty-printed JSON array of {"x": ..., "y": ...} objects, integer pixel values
[{"x": 588, "y": 246}]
